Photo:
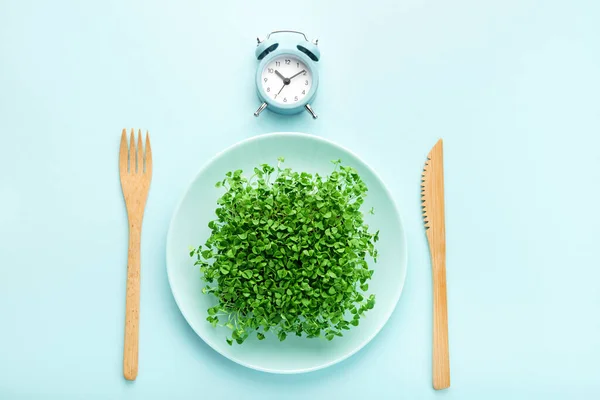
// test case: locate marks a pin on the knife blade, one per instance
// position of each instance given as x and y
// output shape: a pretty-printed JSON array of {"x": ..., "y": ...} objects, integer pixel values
[{"x": 432, "y": 203}]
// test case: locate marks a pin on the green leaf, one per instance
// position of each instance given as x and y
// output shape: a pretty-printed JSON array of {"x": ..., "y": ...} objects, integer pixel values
[
  {"x": 247, "y": 274},
  {"x": 371, "y": 302}
]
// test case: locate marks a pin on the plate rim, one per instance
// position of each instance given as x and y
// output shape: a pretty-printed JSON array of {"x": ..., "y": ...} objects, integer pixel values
[{"x": 404, "y": 259}]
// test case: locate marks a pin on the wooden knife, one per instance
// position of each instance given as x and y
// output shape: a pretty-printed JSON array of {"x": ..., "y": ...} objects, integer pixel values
[{"x": 432, "y": 199}]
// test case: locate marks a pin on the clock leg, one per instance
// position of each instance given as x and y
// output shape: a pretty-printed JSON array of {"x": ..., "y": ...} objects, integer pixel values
[
  {"x": 260, "y": 109},
  {"x": 311, "y": 111}
]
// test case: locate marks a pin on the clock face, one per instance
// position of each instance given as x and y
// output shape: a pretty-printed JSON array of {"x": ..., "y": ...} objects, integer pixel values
[{"x": 286, "y": 79}]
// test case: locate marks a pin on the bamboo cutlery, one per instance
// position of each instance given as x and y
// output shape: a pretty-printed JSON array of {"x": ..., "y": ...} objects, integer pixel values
[
  {"x": 432, "y": 199},
  {"x": 135, "y": 168}
]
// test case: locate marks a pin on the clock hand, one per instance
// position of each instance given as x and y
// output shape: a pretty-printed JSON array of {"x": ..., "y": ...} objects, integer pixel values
[
  {"x": 280, "y": 90},
  {"x": 286, "y": 81},
  {"x": 292, "y": 77},
  {"x": 279, "y": 75}
]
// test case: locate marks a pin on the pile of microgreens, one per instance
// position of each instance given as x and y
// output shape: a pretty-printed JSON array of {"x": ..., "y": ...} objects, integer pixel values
[{"x": 288, "y": 252}]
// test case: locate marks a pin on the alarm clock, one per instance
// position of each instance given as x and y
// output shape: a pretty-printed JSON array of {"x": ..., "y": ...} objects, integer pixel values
[{"x": 287, "y": 77}]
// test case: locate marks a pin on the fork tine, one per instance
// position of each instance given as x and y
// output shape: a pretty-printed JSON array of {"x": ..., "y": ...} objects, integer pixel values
[
  {"x": 148, "y": 155},
  {"x": 123, "y": 153},
  {"x": 131, "y": 153},
  {"x": 140, "y": 153}
]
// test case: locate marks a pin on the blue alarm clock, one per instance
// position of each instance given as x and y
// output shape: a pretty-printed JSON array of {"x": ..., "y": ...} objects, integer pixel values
[{"x": 287, "y": 78}]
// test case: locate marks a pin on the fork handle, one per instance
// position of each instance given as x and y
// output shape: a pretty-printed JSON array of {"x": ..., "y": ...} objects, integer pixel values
[
  {"x": 441, "y": 357},
  {"x": 132, "y": 305}
]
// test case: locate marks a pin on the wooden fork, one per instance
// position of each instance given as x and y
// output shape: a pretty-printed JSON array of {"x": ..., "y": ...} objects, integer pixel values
[{"x": 135, "y": 168}]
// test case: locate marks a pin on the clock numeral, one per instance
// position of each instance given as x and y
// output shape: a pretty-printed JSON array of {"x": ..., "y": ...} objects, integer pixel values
[
  {"x": 275, "y": 96},
  {"x": 306, "y": 82},
  {"x": 287, "y": 62},
  {"x": 295, "y": 98},
  {"x": 277, "y": 63},
  {"x": 270, "y": 70},
  {"x": 297, "y": 65},
  {"x": 285, "y": 99},
  {"x": 304, "y": 92},
  {"x": 268, "y": 89},
  {"x": 265, "y": 79}
]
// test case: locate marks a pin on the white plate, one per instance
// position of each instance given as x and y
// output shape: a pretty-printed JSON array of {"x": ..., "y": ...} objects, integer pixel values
[{"x": 302, "y": 152}]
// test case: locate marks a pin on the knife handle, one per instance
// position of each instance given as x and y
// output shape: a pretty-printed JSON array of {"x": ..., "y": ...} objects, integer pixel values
[{"x": 441, "y": 356}]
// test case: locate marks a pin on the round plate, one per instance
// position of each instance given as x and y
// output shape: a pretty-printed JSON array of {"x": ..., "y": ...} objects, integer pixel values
[{"x": 189, "y": 227}]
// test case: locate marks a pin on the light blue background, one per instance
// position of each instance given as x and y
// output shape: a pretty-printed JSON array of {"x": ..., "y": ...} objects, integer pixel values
[{"x": 513, "y": 87}]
